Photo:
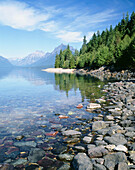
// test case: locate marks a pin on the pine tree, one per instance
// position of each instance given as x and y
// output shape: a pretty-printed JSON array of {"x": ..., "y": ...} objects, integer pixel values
[
  {"x": 57, "y": 61},
  {"x": 84, "y": 46}
]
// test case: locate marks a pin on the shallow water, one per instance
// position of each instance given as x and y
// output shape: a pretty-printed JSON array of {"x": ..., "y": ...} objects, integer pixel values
[{"x": 30, "y": 102}]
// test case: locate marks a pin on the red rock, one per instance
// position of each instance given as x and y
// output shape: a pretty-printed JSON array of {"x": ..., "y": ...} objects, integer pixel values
[
  {"x": 63, "y": 117},
  {"x": 80, "y": 106},
  {"x": 52, "y": 133}
]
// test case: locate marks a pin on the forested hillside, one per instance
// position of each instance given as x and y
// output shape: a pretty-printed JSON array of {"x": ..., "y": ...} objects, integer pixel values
[{"x": 113, "y": 47}]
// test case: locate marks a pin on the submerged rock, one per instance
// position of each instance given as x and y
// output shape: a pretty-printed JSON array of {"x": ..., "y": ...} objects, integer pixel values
[
  {"x": 79, "y": 106},
  {"x": 19, "y": 162},
  {"x": 36, "y": 154},
  {"x": 66, "y": 157},
  {"x": 98, "y": 125},
  {"x": 29, "y": 144}
]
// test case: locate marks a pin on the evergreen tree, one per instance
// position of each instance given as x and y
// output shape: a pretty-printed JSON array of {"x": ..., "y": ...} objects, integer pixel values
[
  {"x": 57, "y": 61},
  {"x": 84, "y": 46}
]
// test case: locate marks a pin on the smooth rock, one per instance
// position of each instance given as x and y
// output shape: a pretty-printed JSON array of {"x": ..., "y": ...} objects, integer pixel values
[
  {"x": 64, "y": 167},
  {"x": 116, "y": 139},
  {"x": 100, "y": 142},
  {"x": 65, "y": 157},
  {"x": 98, "y": 125},
  {"x": 87, "y": 139},
  {"x": 71, "y": 140},
  {"x": 93, "y": 106},
  {"x": 49, "y": 164},
  {"x": 36, "y": 154},
  {"x": 110, "y": 147},
  {"x": 71, "y": 133},
  {"x": 82, "y": 162},
  {"x": 19, "y": 162},
  {"x": 58, "y": 149},
  {"x": 112, "y": 160},
  {"x": 29, "y": 144},
  {"x": 99, "y": 167},
  {"x": 120, "y": 148},
  {"x": 122, "y": 166},
  {"x": 80, "y": 148},
  {"x": 108, "y": 118},
  {"x": 132, "y": 156},
  {"x": 97, "y": 152},
  {"x": 100, "y": 100},
  {"x": 97, "y": 161}
]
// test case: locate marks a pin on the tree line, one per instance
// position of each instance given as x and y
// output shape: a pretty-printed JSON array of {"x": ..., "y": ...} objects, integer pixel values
[{"x": 113, "y": 47}]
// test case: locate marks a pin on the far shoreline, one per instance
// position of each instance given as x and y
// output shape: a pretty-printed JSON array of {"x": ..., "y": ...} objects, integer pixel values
[
  {"x": 59, "y": 70},
  {"x": 102, "y": 73}
]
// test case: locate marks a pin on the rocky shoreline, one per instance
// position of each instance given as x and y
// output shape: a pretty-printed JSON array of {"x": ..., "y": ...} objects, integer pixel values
[
  {"x": 103, "y": 73},
  {"x": 111, "y": 142},
  {"x": 104, "y": 142}
]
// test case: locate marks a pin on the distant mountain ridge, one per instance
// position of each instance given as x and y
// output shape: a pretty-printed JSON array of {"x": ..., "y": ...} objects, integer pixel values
[
  {"x": 4, "y": 63},
  {"x": 30, "y": 59},
  {"x": 40, "y": 58}
]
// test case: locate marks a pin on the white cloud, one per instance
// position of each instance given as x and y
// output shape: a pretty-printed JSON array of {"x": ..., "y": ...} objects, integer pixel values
[
  {"x": 88, "y": 20},
  {"x": 21, "y": 16},
  {"x": 67, "y": 24},
  {"x": 70, "y": 36},
  {"x": 48, "y": 27}
]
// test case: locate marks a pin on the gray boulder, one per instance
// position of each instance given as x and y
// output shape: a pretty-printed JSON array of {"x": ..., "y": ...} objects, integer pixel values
[
  {"x": 99, "y": 167},
  {"x": 116, "y": 139},
  {"x": 97, "y": 152},
  {"x": 112, "y": 160},
  {"x": 82, "y": 162}
]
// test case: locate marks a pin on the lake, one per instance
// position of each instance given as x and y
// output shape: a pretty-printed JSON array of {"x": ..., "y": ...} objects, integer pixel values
[{"x": 30, "y": 104}]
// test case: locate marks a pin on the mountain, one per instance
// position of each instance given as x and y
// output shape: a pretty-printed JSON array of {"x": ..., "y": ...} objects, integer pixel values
[
  {"x": 4, "y": 62},
  {"x": 28, "y": 60},
  {"x": 40, "y": 59},
  {"x": 49, "y": 59}
]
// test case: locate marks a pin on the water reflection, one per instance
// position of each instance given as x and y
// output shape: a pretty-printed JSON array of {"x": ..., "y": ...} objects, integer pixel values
[
  {"x": 88, "y": 86},
  {"x": 4, "y": 72}
]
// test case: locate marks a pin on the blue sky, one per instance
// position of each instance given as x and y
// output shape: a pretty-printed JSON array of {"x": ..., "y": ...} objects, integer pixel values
[{"x": 30, "y": 25}]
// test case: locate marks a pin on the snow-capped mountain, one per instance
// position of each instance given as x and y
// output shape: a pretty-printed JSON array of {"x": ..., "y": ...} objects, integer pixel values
[{"x": 28, "y": 60}]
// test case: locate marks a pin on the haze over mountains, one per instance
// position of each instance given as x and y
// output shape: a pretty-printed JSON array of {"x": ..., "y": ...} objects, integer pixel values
[
  {"x": 40, "y": 58},
  {"x": 4, "y": 62}
]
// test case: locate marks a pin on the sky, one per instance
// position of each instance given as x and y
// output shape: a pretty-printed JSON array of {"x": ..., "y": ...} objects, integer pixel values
[{"x": 30, "y": 25}]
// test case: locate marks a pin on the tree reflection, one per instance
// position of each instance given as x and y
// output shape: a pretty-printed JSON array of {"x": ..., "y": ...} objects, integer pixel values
[{"x": 87, "y": 85}]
